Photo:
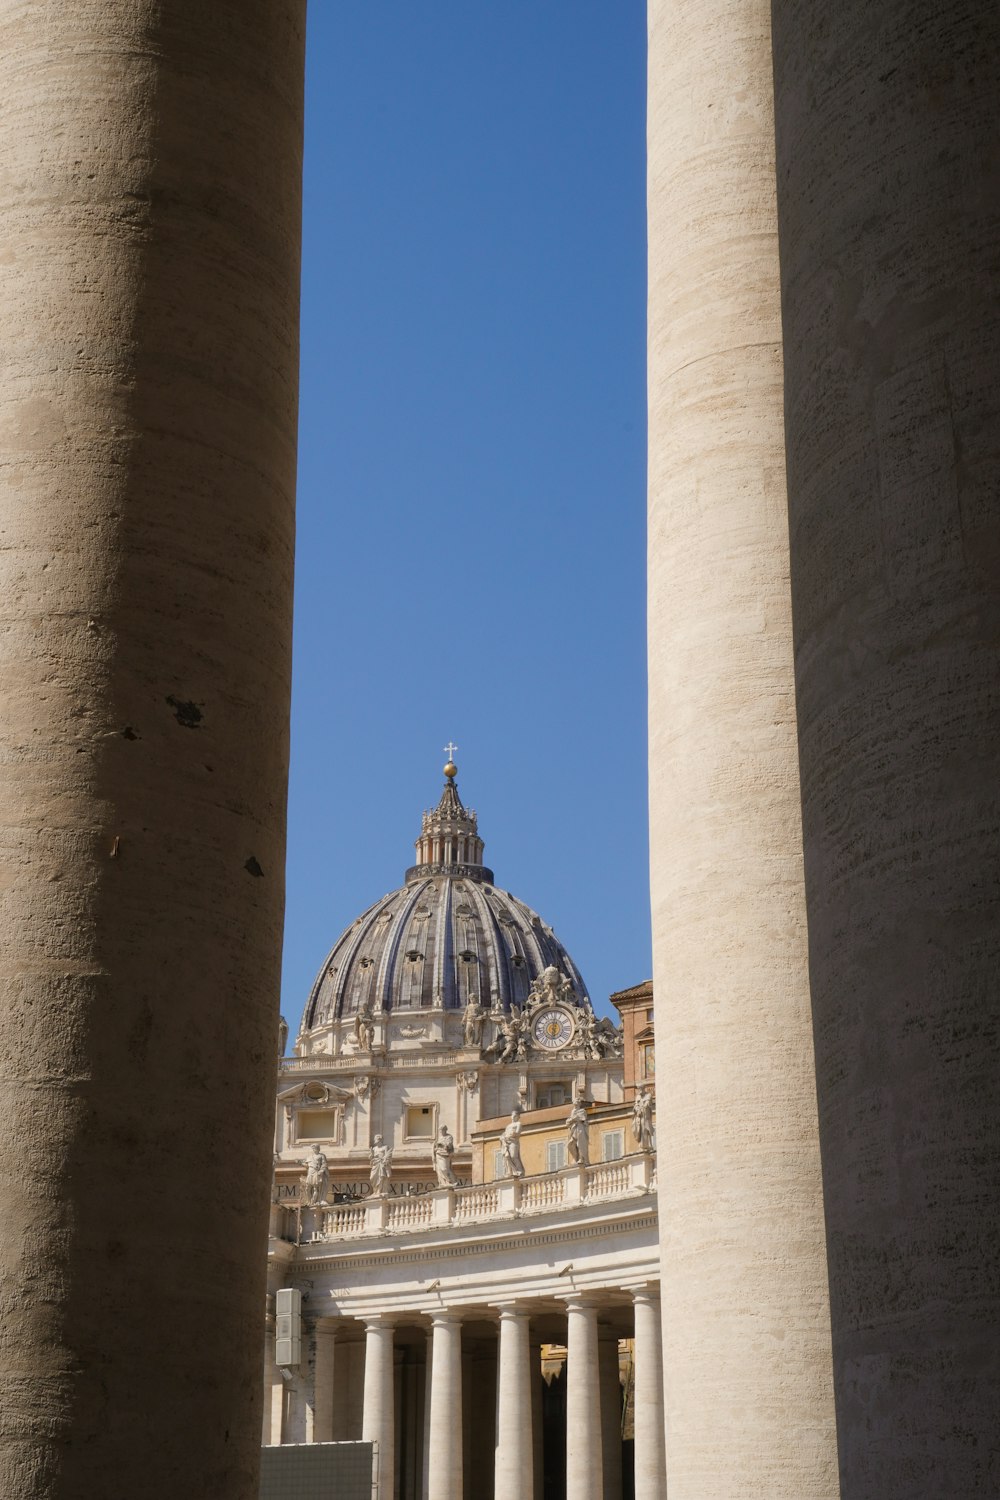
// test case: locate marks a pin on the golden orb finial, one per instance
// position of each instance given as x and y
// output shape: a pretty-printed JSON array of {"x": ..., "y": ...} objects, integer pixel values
[{"x": 451, "y": 769}]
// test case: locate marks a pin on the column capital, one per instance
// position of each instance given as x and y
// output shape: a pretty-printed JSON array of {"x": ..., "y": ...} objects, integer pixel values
[
  {"x": 444, "y": 1315},
  {"x": 378, "y": 1320},
  {"x": 581, "y": 1302},
  {"x": 511, "y": 1309},
  {"x": 648, "y": 1294}
]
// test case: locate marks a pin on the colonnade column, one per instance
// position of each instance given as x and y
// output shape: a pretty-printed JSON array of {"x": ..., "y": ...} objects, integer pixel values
[
  {"x": 742, "y": 1172},
  {"x": 444, "y": 1469},
  {"x": 537, "y": 1413},
  {"x": 326, "y": 1334},
  {"x": 379, "y": 1420},
  {"x": 611, "y": 1412},
  {"x": 274, "y": 1386},
  {"x": 584, "y": 1446},
  {"x": 514, "y": 1455},
  {"x": 891, "y": 313},
  {"x": 150, "y": 195},
  {"x": 650, "y": 1459}
]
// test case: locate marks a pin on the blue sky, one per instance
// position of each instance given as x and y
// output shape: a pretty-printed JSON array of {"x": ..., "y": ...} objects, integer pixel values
[{"x": 472, "y": 463}]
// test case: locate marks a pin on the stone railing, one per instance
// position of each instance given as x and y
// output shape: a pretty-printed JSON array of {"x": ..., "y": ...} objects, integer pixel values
[{"x": 511, "y": 1197}]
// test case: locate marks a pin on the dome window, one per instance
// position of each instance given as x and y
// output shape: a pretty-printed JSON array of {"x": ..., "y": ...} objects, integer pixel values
[
  {"x": 468, "y": 957},
  {"x": 414, "y": 954}
]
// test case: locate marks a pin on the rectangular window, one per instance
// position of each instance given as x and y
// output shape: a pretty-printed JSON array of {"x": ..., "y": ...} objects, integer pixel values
[
  {"x": 420, "y": 1121},
  {"x": 317, "y": 1124},
  {"x": 497, "y": 1165},
  {"x": 648, "y": 1061},
  {"x": 549, "y": 1095},
  {"x": 650, "y": 1015},
  {"x": 555, "y": 1156},
  {"x": 612, "y": 1145}
]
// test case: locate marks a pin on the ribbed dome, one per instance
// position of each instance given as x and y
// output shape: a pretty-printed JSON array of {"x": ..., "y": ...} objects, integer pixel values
[{"x": 445, "y": 937}]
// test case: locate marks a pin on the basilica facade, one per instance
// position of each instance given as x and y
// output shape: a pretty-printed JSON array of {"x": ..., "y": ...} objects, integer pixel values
[{"x": 463, "y": 1261}]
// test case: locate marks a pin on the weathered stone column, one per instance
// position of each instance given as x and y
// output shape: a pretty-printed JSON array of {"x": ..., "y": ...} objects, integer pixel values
[
  {"x": 514, "y": 1461},
  {"x": 889, "y": 203},
  {"x": 537, "y": 1415},
  {"x": 445, "y": 1459},
  {"x": 323, "y": 1389},
  {"x": 650, "y": 1462},
  {"x": 150, "y": 198},
  {"x": 611, "y": 1413},
  {"x": 378, "y": 1422},
  {"x": 274, "y": 1387},
  {"x": 749, "y": 1393},
  {"x": 584, "y": 1455}
]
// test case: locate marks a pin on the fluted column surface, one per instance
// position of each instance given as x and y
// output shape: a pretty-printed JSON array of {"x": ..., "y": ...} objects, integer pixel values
[
  {"x": 746, "y": 1321},
  {"x": 889, "y": 199},
  {"x": 150, "y": 173}
]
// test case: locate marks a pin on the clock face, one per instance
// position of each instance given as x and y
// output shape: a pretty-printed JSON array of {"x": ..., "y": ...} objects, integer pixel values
[{"x": 553, "y": 1028}]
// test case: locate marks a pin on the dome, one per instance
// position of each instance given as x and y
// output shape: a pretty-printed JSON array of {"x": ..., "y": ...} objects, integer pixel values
[{"x": 447, "y": 936}]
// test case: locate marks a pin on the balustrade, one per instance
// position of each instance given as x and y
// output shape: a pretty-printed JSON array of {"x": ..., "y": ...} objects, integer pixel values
[{"x": 632, "y": 1176}]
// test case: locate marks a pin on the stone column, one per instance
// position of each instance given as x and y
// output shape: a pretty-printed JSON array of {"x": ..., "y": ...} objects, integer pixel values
[
  {"x": 584, "y": 1446},
  {"x": 537, "y": 1414},
  {"x": 738, "y": 1135},
  {"x": 425, "y": 1469},
  {"x": 445, "y": 1461},
  {"x": 378, "y": 1424},
  {"x": 650, "y": 1460},
  {"x": 274, "y": 1386},
  {"x": 514, "y": 1458},
  {"x": 611, "y": 1412},
  {"x": 323, "y": 1390},
  {"x": 150, "y": 180},
  {"x": 887, "y": 167}
]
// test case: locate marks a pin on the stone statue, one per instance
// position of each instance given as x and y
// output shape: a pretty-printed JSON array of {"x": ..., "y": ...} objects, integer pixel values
[
  {"x": 642, "y": 1120},
  {"x": 511, "y": 1039},
  {"x": 472, "y": 1024},
  {"x": 588, "y": 1034},
  {"x": 551, "y": 987},
  {"x": 510, "y": 1147},
  {"x": 364, "y": 1027},
  {"x": 577, "y": 1148},
  {"x": 444, "y": 1150},
  {"x": 380, "y": 1157},
  {"x": 282, "y": 1035},
  {"x": 317, "y": 1178}
]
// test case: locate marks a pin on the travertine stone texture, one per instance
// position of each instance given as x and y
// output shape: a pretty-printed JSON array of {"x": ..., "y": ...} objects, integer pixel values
[
  {"x": 889, "y": 198},
  {"x": 745, "y": 1307},
  {"x": 149, "y": 193}
]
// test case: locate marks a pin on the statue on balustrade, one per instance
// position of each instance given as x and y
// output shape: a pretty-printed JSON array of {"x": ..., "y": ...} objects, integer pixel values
[
  {"x": 642, "y": 1120},
  {"x": 380, "y": 1176},
  {"x": 317, "y": 1178},
  {"x": 577, "y": 1148},
  {"x": 444, "y": 1150},
  {"x": 510, "y": 1147},
  {"x": 364, "y": 1027}
]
